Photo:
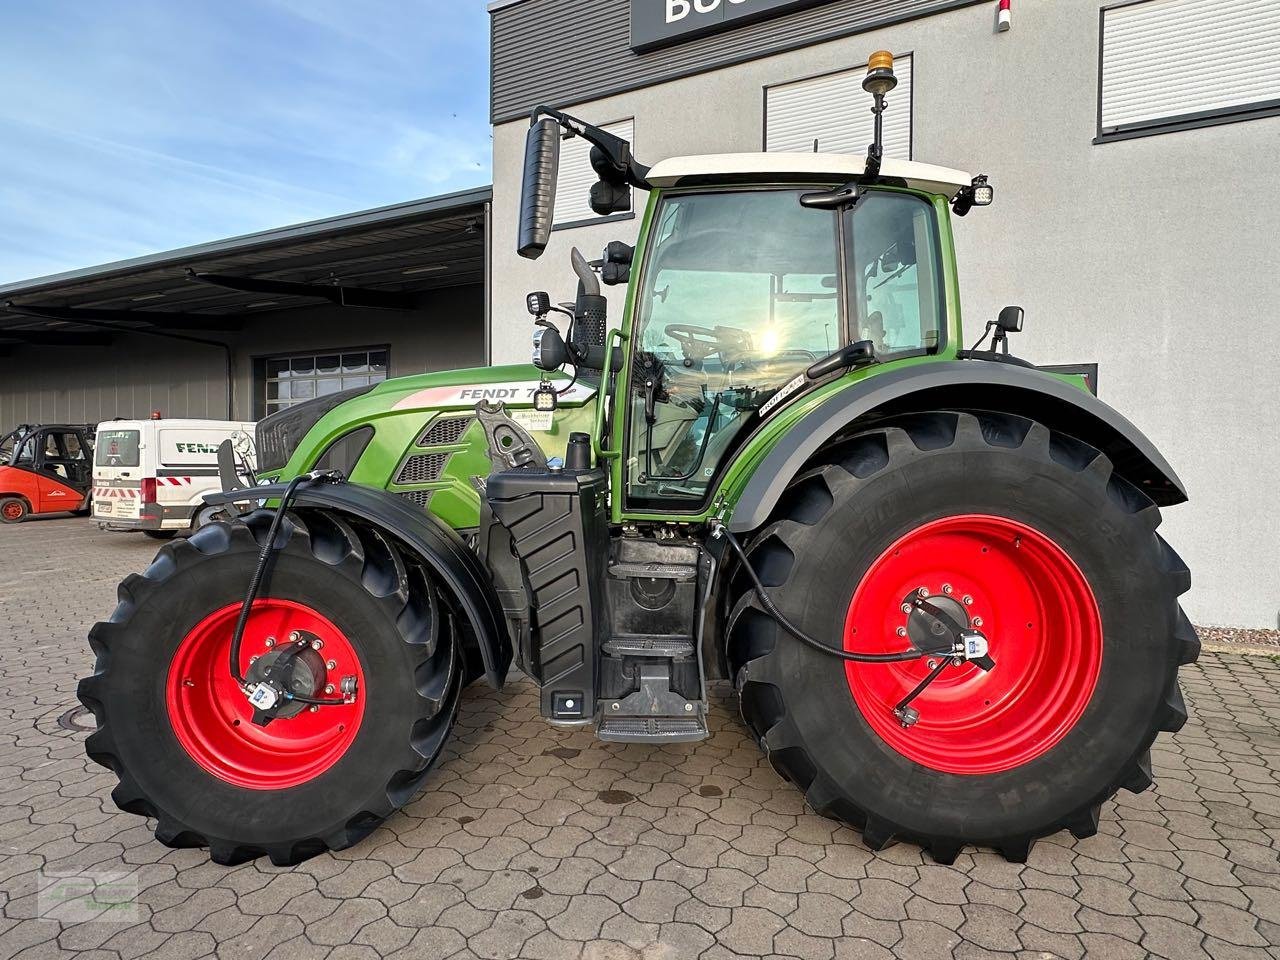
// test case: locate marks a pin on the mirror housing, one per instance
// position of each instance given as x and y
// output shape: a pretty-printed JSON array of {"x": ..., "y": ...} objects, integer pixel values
[
  {"x": 538, "y": 190},
  {"x": 1010, "y": 319}
]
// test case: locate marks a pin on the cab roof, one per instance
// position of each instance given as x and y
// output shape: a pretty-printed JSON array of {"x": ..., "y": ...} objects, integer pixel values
[{"x": 801, "y": 167}]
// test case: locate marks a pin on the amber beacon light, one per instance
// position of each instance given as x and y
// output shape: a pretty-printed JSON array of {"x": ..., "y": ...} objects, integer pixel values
[{"x": 879, "y": 79}]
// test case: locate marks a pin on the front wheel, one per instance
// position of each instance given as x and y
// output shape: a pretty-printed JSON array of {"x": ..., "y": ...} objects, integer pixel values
[
  {"x": 1006, "y": 528},
  {"x": 179, "y": 731},
  {"x": 14, "y": 510}
]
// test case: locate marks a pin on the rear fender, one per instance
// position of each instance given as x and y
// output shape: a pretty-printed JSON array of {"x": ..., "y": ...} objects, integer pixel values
[
  {"x": 435, "y": 544},
  {"x": 965, "y": 385}
]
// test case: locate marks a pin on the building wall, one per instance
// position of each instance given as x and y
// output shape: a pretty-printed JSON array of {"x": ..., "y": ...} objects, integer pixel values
[
  {"x": 136, "y": 375},
  {"x": 1154, "y": 257}
]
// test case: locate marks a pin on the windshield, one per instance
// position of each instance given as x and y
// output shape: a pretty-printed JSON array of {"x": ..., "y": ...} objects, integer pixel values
[
  {"x": 117, "y": 448},
  {"x": 742, "y": 292}
]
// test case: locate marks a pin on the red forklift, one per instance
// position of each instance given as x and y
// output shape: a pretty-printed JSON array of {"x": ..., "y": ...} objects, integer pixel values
[{"x": 46, "y": 468}]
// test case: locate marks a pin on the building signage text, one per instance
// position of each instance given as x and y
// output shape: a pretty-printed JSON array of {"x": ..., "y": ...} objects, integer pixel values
[{"x": 656, "y": 23}]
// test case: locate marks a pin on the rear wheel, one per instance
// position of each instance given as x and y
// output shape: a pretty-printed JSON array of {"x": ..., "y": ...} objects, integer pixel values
[
  {"x": 178, "y": 730},
  {"x": 1010, "y": 529},
  {"x": 14, "y": 510}
]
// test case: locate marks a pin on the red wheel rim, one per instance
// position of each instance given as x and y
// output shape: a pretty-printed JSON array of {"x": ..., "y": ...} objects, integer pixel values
[
  {"x": 13, "y": 511},
  {"x": 211, "y": 717},
  {"x": 1042, "y": 623}
]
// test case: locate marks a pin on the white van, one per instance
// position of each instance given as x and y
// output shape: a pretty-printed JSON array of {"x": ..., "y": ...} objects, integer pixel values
[{"x": 151, "y": 475}]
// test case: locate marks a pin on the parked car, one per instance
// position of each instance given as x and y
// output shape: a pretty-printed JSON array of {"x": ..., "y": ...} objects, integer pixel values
[
  {"x": 151, "y": 475},
  {"x": 45, "y": 469}
]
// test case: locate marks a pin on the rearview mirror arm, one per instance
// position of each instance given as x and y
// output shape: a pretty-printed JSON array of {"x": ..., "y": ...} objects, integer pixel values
[{"x": 614, "y": 147}]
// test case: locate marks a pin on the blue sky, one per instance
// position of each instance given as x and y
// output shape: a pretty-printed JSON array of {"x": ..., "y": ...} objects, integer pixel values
[{"x": 131, "y": 126}]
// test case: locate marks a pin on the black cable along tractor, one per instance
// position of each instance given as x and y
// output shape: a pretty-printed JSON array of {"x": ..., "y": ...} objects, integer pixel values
[{"x": 932, "y": 574}]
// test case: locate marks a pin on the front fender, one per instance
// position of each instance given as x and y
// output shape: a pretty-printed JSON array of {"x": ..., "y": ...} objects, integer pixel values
[
  {"x": 959, "y": 384},
  {"x": 430, "y": 539}
]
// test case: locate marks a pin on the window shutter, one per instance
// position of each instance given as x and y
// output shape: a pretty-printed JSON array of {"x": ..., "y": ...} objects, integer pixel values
[
  {"x": 1165, "y": 61},
  {"x": 573, "y": 185},
  {"x": 834, "y": 110}
]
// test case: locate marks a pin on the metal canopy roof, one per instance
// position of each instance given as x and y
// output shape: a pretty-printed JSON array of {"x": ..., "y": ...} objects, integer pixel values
[{"x": 404, "y": 248}]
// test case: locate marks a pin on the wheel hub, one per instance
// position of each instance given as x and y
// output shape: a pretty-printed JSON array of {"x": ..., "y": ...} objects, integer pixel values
[
  {"x": 304, "y": 654},
  {"x": 294, "y": 670},
  {"x": 988, "y": 581}
]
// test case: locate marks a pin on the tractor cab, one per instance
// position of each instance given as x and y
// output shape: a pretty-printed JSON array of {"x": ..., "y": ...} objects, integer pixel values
[{"x": 744, "y": 287}]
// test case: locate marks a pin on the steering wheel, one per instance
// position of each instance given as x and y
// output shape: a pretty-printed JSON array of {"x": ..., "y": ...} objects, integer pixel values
[{"x": 697, "y": 343}]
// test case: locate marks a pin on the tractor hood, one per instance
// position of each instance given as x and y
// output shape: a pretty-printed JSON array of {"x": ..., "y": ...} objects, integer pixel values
[{"x": 368, "y": 433}]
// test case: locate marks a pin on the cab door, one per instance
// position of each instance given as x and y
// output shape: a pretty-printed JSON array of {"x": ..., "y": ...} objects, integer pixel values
[{"x": 60, "y": 470}]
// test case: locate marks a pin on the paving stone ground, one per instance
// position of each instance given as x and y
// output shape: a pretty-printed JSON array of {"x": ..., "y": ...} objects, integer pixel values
[{"x": 533, "y": 842}]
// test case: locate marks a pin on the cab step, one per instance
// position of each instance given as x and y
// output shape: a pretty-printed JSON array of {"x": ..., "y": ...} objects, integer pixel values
[
  {"x": 652, "y": 729},
  {"x": 671, "y": 648},
  {"x": 655, "y": 713}
]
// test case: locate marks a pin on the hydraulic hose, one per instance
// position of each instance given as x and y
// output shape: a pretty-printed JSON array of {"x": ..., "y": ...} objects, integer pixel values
[
  {"x": 782, "y": 621},
  {"x": 255, "y": 583}
]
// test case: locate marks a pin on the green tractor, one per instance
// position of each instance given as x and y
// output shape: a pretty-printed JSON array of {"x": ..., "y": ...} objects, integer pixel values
[{"x": 931, "y": 573}]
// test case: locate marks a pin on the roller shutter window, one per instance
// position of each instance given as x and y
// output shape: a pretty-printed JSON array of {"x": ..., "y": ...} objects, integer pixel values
[
  {"x": 1173, "y": 64},
  {"x": 834, "y": 110},
  {"x": 284, "y": 381},
  {"x": 573, "y": 184}
]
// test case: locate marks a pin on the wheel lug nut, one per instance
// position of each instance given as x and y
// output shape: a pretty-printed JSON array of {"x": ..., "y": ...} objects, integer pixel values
[
  {"x": 314, "y": 708},
  {"x": 271, "y": 641},
  {"x": 906, "y": 608},
  {"x": 331, "y": 665},
  {"x": 328, "y": 688},
  {"x": 923, "y": 591},
  {"x": 931, "y": 663},
  {"x": 254, "y": 658},
  {"x": 977, "y": 621},
  {"x": 968, "y": 600},
  {"x": 317, "y": 643},
  {"x": 902, "y": 631},
  {"x": 946, "y": 588},
  {"x": 294, "y": 636}
]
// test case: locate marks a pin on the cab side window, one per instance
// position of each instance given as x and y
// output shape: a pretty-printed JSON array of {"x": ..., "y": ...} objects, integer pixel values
[{"x": 897, "y": 287}]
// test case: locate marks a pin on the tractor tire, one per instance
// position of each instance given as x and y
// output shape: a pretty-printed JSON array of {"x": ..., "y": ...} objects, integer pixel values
[
  {"x": 1031, "y": 536},
  {"x": 176, "y": 728},
  {"x": 14, "y": 510}
]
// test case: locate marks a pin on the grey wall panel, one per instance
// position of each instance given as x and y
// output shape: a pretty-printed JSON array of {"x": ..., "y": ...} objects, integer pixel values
[
  {"x": 563, "y": 52},
  {"x": 136, "y": 375},
  {"x": 130, "y": 378}
]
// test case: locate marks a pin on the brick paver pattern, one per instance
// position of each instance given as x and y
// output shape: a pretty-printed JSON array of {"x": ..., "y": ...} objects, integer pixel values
[{"x": 535, "y": 842}]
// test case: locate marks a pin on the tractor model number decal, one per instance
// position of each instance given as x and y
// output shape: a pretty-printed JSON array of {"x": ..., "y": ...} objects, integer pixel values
[
  {"x": 782, "y": 394},
  {"x": 519, "y": 393}
]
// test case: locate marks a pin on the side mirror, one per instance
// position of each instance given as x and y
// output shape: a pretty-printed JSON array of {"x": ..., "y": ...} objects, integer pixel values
[
  {"x": 1010, "y": 320},
  {"x": 538, "y": 190}
]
